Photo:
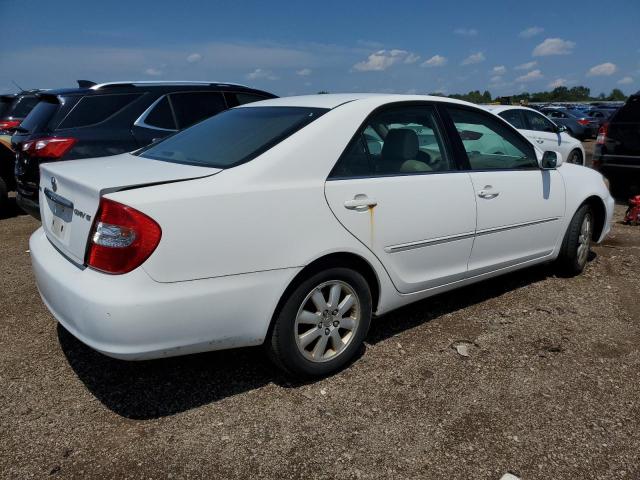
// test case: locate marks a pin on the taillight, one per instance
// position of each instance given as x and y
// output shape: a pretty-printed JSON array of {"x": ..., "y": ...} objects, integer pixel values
[
  {"x": 121, "y": 239},
  {"x": 9, "y": 124},
  {"x": 583, "y": 122},
  {"x": 602, "y": 134},
  {"x": 53, "y": 147}
]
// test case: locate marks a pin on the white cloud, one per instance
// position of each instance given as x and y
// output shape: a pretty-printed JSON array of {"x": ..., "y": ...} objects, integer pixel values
[
  {"x": 554, "y": 46},
  {"x": 194, "y": 58},
  {"x": 558, "y": 82},
  {"x": 466, "y": 32},
  {"x": 531, "y": 32},
  {"x": 383, "y": 59},
  {"x": 530, "y": 76},
  {"x": 304, "y": 72},
  {"x": 602, "y": 70},
  {"x": 625, "y": 80},
  {"x": 412, "y": 58},
  {"x": 435, "y": 61},
  {"x": 154, "y": 72},
  {"x": 527, "y": 66},
  {"x": 499, "y": 70},
  {"x": 496, "y": 79},
  {"x": 474, "y": 58},
  {"x": 259, "y": 73}
]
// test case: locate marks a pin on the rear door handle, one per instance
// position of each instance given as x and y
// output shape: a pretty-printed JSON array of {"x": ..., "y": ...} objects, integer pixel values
[
  {"x": 360, "y": 202},
  {"x": 488, "y": 192}
]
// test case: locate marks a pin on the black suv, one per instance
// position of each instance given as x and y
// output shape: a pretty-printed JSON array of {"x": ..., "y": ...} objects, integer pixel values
[
  {"x": 617, "y": 151},
  {"x": 13, "y": 108},
  {"x": 109, "y": 119}
]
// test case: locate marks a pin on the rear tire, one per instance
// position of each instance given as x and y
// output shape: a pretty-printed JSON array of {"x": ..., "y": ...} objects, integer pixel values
[
  {"x": 322, "y": 324},
  {"x": 576, "y": 245}
]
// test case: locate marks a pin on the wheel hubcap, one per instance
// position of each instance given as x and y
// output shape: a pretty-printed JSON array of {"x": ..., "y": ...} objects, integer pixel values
[
  {"x": 584, "y": 240},
  {"x": 327, "y": 321}
]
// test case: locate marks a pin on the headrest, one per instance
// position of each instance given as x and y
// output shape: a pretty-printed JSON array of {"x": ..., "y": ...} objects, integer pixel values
[{"x": 400, "y": 144}]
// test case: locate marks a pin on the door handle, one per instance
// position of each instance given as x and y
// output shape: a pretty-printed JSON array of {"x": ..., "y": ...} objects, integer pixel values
[
  {"x": 360, "y": 202},
  {"x": 539, "y": 140},
  {"x": 488, "y": 192}
]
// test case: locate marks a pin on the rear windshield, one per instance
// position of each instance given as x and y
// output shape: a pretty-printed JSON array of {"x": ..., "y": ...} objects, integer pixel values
[
  {"x": 39, "y": 117},
  {"x": 629, "y": 112},
  {"x": 232, "y": 137},
  {"x": 23, "y": 106}
]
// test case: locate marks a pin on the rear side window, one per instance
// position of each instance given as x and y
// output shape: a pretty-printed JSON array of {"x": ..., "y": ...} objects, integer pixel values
[
  {"x": 94, "y": 109},
  {"x": 490, "y": 144},
  {"x": 539, "y": 123},
  {"x": 514, "y": 117},
  {"x": 39, "y": 117},
  {"x": 161, "y": 116},
  {"x": 248, "y": 98},
  {"x": 191, "y": 107},
  {"x": 233, "y": 136}
]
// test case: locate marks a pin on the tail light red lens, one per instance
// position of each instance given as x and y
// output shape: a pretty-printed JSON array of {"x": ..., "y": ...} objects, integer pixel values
[
  {"x": 121, "y": 239},
  {"x": 54, "y": 147},
  {"x": 584, "y": 122},
  {"x": 602, "y": 134},
  {"x": 9, "y": 124}
]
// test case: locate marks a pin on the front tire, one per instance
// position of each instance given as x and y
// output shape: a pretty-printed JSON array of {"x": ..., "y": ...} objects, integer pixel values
[
  {"x": 322, "y": 324},
  {"x": 576, "y": 245}
]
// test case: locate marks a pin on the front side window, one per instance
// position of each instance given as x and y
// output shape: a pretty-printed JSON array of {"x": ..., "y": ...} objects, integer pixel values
[
  {"x": 232, "y": 137},
  {"x": 539, "y": 123},
  {"x": 399, "y": 141},
  {"x": 489, "y": 143},
  {"x": 192, "y": 107},
  {"x": 514, "y": 117}
]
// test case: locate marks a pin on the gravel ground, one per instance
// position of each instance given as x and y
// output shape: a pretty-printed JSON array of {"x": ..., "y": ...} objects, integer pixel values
[{"x": 549, "y": 389}]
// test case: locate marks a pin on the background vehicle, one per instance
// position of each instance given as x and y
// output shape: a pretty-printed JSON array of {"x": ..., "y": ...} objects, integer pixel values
[
  {"x": 13, "y": 108},
  {"x": 602, "y": 115},
  {"x": 578, "y": 124},
  {"x": 541, "y": 131},
  {"x": 617, "y": 150},
  {"x": 154, "y": 254},
  {"x": 112, "y": 118}
]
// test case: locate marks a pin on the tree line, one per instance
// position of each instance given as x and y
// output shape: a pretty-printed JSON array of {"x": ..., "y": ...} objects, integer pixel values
[{"x": 558, "y": 94}]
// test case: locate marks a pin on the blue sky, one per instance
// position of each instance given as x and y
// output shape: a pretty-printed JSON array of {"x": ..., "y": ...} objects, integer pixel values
[{"x": 303, "y": 47}]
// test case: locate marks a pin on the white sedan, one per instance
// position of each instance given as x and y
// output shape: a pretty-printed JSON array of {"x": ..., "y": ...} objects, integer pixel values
[
  {"x": 541, "y": 131},
  {"x": 291, "y": 222}
]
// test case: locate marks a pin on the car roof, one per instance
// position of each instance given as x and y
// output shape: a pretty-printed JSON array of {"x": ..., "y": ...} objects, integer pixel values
[
  {"x": 141, "y": 86},
  {"x": 333, "y": 100},
  {"x": 502, "y": 108}
]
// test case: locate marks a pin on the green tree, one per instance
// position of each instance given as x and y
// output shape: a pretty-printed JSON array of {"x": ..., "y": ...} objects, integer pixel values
[{"x": 617, "y": 95}]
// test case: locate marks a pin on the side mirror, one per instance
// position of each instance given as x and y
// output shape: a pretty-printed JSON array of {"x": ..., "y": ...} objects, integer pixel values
[
  {"x": 562, "y": 128},
  {"x": 550, "y": 160}
]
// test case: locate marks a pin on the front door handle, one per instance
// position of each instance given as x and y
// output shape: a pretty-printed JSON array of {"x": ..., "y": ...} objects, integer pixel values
[
  {"x": 540, "y": 140},
  {"x": 360, "y": 202},
  {"x": 488, "y": 192}
]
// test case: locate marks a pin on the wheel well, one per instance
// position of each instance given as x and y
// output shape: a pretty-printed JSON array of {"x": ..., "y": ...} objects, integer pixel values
[
  {"x": 600, "y": 214},
  {"x": 349, "y": 260}
]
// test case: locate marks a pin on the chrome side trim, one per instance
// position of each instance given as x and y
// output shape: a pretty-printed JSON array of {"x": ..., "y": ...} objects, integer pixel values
[
  {"x": 427, "y": 243},
  {"x": 461, "y": 236},
  {"x": 489, "y": 231}
]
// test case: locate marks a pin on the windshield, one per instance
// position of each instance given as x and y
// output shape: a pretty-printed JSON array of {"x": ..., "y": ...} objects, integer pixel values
[{"x": 232, "y": 137}]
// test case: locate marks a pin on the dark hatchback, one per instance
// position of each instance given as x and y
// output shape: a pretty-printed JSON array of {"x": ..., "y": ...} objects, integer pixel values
[
  {"x": 617, "y": 151},
  {"x": 109, "y": 119}
]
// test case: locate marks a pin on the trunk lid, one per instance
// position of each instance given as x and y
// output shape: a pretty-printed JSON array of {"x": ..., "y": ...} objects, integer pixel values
[{"x": 70, "y": 192}]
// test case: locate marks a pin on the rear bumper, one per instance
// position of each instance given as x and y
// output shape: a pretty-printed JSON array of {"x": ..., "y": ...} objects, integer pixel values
[
  {"x": 29, "y": 206},
  {"x": 133, "y": 317}
]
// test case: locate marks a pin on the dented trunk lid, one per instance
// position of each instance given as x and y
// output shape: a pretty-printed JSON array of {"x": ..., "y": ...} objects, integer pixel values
[{"x": 70, "y": 192}]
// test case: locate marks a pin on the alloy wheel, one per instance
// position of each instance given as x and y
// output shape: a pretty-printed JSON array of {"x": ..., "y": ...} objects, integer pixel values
[
  {"x": 327, "y": 321},
  {"x": 584, "y": 240}
]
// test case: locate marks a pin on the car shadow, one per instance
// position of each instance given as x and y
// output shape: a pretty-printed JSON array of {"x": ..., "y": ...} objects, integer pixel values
[
  {"x": 11, "y": 209},
  {"x": 159, "y": 388}
]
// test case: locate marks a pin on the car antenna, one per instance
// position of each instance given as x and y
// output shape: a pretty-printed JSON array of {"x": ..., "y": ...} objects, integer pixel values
[{"x": 19, "y": 87}]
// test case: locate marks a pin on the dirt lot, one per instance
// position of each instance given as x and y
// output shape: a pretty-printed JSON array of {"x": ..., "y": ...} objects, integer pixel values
[{"x": 549, "y": 390}]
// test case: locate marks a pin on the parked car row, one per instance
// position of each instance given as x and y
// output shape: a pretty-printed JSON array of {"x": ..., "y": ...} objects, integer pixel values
[
  {"x": 96, "y": 120},
  {"x": 287, "y": 222}
]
